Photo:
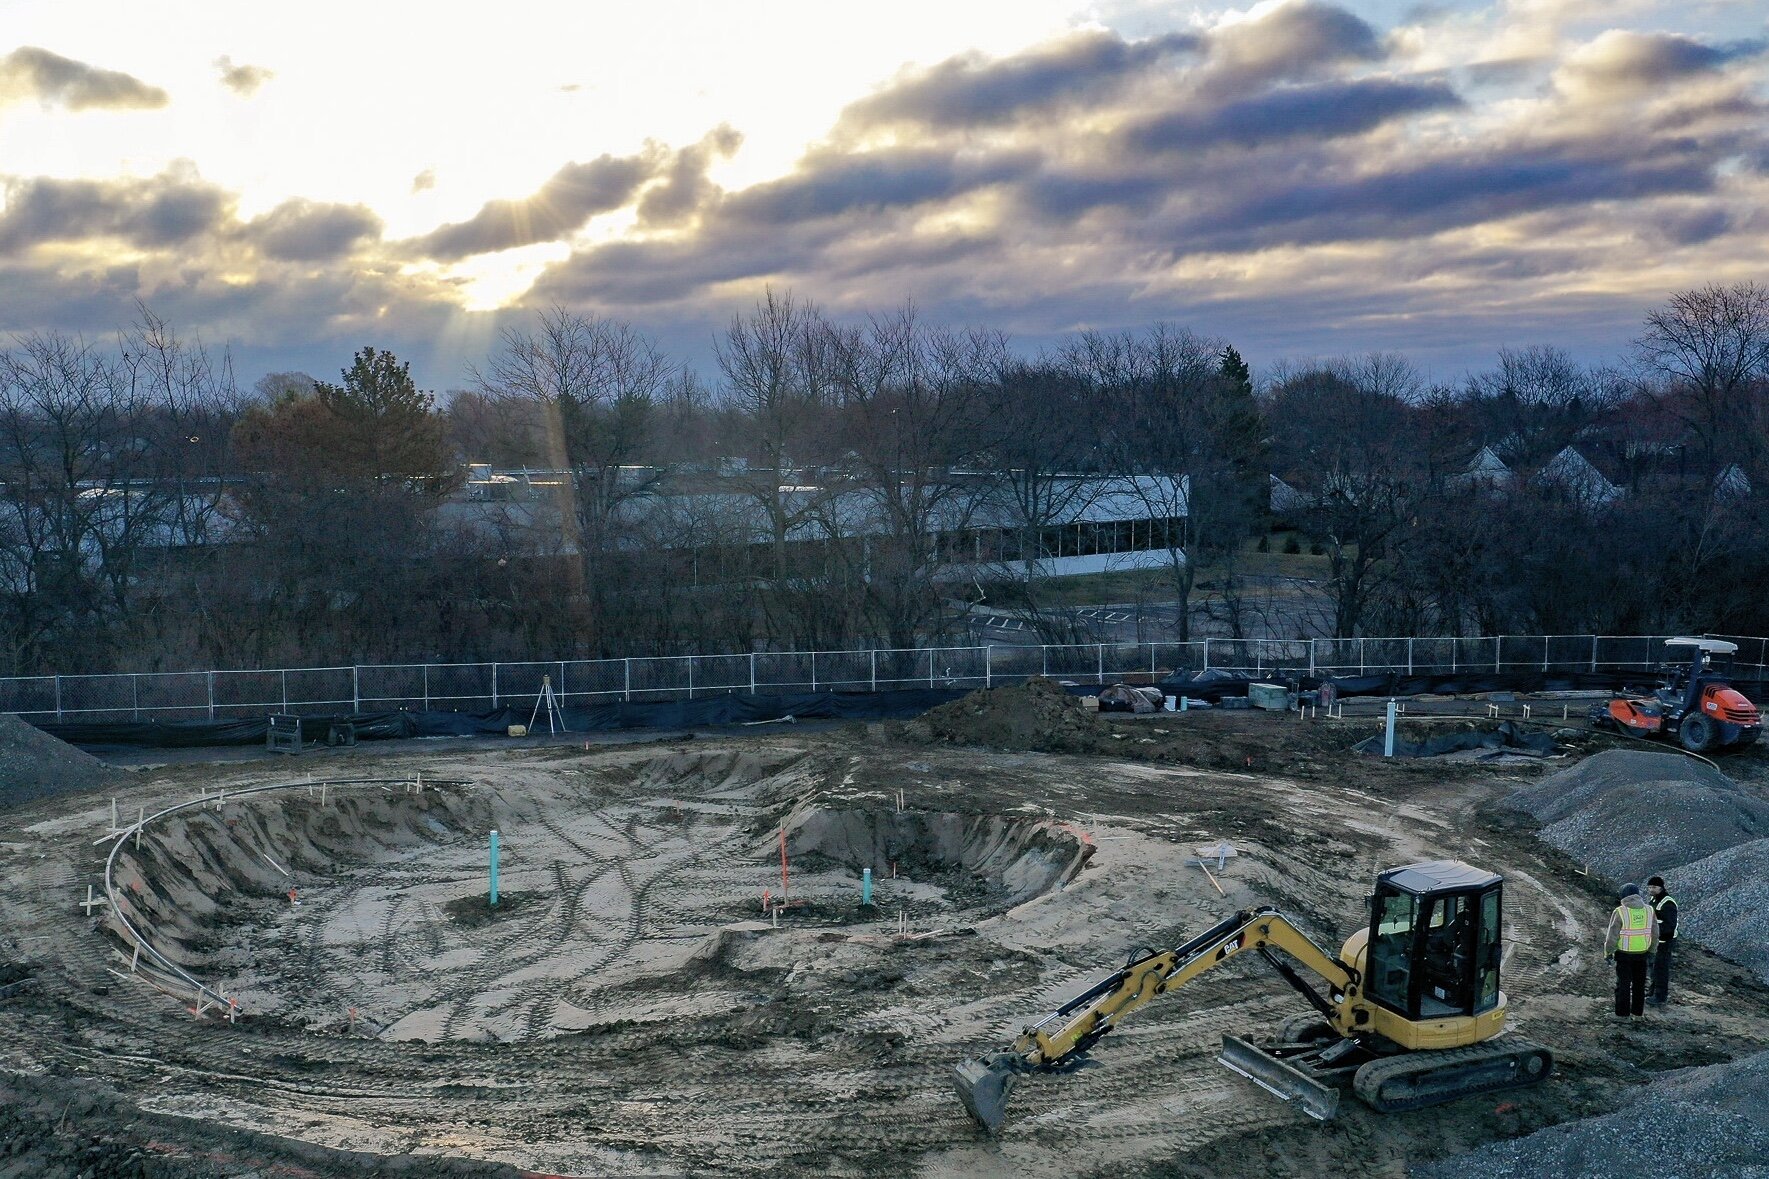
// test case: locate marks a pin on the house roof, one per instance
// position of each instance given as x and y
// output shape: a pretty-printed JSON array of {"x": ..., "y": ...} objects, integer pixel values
[{"x": 1573, "y": 472}]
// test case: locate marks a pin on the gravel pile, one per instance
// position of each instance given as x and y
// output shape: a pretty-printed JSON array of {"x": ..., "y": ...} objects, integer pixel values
[
  {"x": 1723, "y": 902},
  {"x": 35, "y": 765},
  {"x": 1630, "y": 814},
  {"x": 1694, "y": 1123},
  {"x": 1578, "y": 786}
]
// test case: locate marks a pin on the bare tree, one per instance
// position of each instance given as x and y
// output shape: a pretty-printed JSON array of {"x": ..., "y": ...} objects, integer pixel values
[
  {"x": 1708, "y": 344},
  {"x": 1185, "y": 440},
  {"x": 1043, "y": 433},
  {"x": 911, "y": 402},
  {"x": 76, "y": 469},
  {"x": 776, "y": 364},
  {"x": 597, "y": 383},
  {"x": 1342, "y": 433},
  {"x": 1536, "y": 402}
]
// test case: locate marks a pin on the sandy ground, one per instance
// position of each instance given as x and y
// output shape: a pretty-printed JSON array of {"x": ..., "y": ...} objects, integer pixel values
[{"x": 633, "y": 1013}]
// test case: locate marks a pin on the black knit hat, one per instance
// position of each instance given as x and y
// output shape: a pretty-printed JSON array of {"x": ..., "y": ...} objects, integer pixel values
[
  {"x": 1658, "y": 880},
  {"x": 1630, "y": 890}
]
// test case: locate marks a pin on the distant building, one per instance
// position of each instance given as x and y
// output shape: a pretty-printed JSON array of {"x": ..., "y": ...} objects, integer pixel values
[
  {"x": 1086, "y": 524},
  {"x": 1486, "y": 471},
  {"x": 1571, "y": 474}
]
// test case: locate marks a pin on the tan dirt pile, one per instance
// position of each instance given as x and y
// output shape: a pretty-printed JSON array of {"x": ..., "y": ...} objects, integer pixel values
[
  {"x": 1037, "y": 715},
  {"x": 35, "y": 765}
]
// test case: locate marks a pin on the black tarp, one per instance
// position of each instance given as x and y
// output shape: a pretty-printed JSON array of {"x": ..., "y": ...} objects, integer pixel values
[
  {"x": 1212, "y": 686},
  {"x": 667, "y": 714}
]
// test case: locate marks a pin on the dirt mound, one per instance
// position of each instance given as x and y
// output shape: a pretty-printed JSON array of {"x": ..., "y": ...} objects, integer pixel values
[
  {"x": 1036, "y": 715},
  {"x": 1712, "y": 1120},
  {"x": 35, "y": 765},
  {"x": 1630, "y": 814}
]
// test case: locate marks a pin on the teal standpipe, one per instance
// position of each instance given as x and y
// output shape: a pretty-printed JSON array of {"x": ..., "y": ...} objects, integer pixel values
[{"x": 494, "y": 867}]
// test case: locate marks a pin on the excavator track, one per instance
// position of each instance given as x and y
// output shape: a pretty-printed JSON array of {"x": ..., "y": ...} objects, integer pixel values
[{"x": 1415, "y": 1080}]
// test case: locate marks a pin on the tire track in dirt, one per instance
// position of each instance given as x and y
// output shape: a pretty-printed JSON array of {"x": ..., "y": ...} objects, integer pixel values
[
  {"x": 539, "y": 997},
  {"x": 389, "y": 955}
]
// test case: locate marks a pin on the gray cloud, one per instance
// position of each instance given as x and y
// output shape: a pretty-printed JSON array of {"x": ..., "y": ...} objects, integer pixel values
[
  {"x": 1252, "y": 181},
  {"x": 424, "y": 181},
  {"x": 1261, "y": 141},
  {"x": 569, "y": 198},
  {"x": 1324, "y": 111},
  {"x": 30, "y": 72},
  {"x": 242, "y": 79},
  {"x": 834, "y": 183},
  {"x": 1450, "y": 192},
  {"x": 685, "y": 186},
  {"x": 302, "y": 231},
  {"x": 641, "y": 272},
  {"x": 1302, "y": 39},
  {"x": 1619, "y": 60},
  {"x": 971, "y": 90},
  {"x": 1688, "y": 227},
  {"x": 164, "y": 210}
]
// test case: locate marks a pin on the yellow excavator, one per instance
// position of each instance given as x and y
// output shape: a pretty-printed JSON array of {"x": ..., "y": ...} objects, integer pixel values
[{"x": 1412, "y": 1014}]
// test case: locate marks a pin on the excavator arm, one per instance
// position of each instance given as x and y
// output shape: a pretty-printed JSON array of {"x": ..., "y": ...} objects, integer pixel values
[{"x": 1059, "y": 1042}]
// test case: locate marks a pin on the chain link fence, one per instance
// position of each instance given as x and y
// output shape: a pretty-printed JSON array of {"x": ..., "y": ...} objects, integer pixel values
[{"x": 482, "y": 687}]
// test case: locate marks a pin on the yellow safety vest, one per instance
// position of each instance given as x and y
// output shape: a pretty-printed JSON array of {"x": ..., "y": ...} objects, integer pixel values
[{"x": 1635, "y": 937}]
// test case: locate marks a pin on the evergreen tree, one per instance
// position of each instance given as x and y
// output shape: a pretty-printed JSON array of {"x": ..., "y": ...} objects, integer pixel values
[
  {"x": 1235, "y": 371},
  {"x": 383, "y": 428}
]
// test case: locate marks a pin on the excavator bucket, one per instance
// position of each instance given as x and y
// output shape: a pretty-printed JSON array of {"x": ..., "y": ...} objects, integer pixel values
[
  {"x": 983, "y": 1086},
  {"x": 1281, "y": 1078}
]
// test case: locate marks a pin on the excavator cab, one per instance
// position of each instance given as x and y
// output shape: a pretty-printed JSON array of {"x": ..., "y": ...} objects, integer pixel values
[{"x": 1434, "y": 944}]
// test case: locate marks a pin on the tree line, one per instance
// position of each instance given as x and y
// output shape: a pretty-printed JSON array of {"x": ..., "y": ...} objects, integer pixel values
[{"x": 806, "y": 493}]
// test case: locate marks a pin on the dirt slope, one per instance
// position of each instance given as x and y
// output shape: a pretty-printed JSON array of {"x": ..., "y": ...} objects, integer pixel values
[{"x": 641, "y": 1015}]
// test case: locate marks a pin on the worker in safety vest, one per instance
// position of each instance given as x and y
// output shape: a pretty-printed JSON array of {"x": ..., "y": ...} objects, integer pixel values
[
  {"x": 1664, "y": 907},
  {"x": 1628, "y": 942}
]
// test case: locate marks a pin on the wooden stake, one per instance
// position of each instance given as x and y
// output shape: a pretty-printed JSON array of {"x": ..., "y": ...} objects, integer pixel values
[{"x": 1206, "y": 868}]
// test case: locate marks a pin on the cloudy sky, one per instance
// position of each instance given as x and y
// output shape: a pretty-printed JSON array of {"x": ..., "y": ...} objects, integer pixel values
[{"x": 1305, "y": 178}]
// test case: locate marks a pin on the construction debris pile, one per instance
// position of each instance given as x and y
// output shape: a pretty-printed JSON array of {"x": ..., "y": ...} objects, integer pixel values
[
  {"x": 1629, "y": 814},
  {"x": 35, "y": 765}
]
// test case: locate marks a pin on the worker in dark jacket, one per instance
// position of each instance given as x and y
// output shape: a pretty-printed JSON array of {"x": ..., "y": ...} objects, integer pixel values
[
  {"x": 1628, "y": 942},
  {"x": 1665, "y": 906}
]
